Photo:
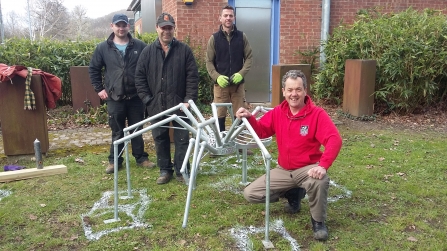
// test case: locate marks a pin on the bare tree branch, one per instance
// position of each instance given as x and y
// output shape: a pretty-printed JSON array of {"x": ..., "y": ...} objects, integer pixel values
[
  {"x": 79, "y": 23},
  {"x": 50, "y": 19}
]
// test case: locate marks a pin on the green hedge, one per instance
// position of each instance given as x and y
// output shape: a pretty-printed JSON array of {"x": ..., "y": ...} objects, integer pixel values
[
  {"x": 411, "y": 53},
  {"x": 56, "y": 57},
  {"x": 52, "y": 56}
]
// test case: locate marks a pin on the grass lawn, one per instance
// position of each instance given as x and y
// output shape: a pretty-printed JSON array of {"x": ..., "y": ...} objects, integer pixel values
[{"x": 389, "y": 192}]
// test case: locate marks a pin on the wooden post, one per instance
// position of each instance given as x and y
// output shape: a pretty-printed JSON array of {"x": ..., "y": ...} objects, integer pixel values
[
  {"x": 82, "y": 90},
  {"x": 20, "y": 128},
  {"x": 278, "y": 71},
  {"x": 358, "y": 93}
]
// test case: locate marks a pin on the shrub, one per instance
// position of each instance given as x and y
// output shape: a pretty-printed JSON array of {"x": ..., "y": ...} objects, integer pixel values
[
  {"x": 56, "y": 57},
  {"x": 411, "y": 53},
  {"x": 147, "y": 37},
  {"x": 52, "y": 56},
  {"x": 205, "y": 81}
]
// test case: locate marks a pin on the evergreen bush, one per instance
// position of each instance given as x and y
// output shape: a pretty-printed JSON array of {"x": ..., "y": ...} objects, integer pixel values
[
  {"x": 56, "y": 57},
  {"x": 410, "y": 48}
]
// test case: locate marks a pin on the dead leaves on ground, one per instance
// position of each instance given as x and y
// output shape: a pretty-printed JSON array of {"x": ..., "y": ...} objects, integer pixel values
[{"x": 399, "y": 174}]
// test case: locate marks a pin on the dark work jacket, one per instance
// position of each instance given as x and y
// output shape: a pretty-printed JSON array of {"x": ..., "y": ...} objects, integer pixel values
[
  {"x": 229, "y": 57},
  {"x": 163, "y": 82},
  {"x": 119, "y": 72}
]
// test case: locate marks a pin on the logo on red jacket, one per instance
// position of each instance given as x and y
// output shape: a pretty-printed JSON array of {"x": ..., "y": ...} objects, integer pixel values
[{"x": 304, "y": 130}]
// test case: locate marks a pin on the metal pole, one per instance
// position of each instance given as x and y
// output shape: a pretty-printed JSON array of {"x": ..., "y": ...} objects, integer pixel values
[
  {"x": 325, "y": 16},
  {"x": 38, "y": 154},
  {"x": 2, "y": 29}
]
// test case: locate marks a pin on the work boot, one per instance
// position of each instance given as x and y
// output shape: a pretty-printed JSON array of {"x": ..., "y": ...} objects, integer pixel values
[
  {"x": 320, "y": 230},
  {"x": 294, "y": 197},
  {"x": 146, "y": 164},
  {"x": 111, "y": 168},
  {"x": 164, "y": 178}
]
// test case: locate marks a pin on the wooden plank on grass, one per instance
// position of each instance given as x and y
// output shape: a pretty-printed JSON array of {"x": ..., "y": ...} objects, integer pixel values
[{"x": 32, "y": 173}]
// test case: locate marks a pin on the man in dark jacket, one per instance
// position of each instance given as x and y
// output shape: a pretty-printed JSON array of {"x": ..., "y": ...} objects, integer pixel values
[
  {"x": 118, "y": 57},
  {"x": 166, "y": 76},
  {"x": 228, "y": 60}
]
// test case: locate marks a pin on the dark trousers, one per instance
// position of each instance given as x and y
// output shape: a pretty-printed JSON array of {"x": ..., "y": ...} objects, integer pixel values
[
  {"x": 163, "y": 147},
  {"x": 119, "y": 111}
]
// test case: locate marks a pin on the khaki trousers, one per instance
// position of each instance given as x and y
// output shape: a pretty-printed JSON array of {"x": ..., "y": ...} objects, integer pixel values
[
  {"x": 282, "y": 180},
  {"x": 234, "y": 94}
]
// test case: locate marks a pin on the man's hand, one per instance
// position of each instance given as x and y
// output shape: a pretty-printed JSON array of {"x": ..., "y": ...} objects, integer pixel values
[
  {"x": 186, "y": 106},
  {"x": 236, "y": 78},
  {"x": 243, "y": 113},
  {"x": 222, "y": 81},
  {"x": 317, "y": 172},
  {"x": 103, "y": 94}
]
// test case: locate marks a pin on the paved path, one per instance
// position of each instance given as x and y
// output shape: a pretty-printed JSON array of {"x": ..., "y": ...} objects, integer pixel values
[
  {"x": 85, "y": 136},
  {"x": 78, "y": 137}
]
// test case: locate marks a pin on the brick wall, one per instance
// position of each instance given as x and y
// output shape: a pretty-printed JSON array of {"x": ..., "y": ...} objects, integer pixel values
[
  {"x": 300, "y": 22},
  {"x": 300, "y": 28},
  {"x": 347, "y": 9},
  {"x": 197, "y": 21}
]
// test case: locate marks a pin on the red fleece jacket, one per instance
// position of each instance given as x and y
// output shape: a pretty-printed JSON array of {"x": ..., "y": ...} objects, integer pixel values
[{"x": 301, "y": 136}]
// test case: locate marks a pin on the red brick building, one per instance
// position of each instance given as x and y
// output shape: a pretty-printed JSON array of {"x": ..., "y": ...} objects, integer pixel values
[{"x": 292, "y": 24}]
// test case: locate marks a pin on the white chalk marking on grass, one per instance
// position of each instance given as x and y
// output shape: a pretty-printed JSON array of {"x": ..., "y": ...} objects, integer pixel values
[
  {"x": 4, "y": 193},
  {"x": 230, "y": 184},
  {"x": 241, "y": 234},
  {"x": 243, "y": 242},
  {"x": 105, "y": 208},
  {"x": 347, "y": 193},
  {"x": 221, "y": 164},
  {"x": 216, "y": 165},
  {"x": 335, "y": 198}
]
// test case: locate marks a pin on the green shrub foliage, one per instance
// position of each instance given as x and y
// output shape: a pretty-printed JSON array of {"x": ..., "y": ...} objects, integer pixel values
[
  {"x": 147, "y": 37},
  {"x": 56, "y": 57},
  {"x": 410, "y": 49}
]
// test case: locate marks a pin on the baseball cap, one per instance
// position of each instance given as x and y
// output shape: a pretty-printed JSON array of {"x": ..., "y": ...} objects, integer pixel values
[
  {"x": 165, "y": 19},
  {"x": 120, "y": 18}
]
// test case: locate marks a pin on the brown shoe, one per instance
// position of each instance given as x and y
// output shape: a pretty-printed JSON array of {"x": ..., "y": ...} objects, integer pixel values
[
  {"x": 146, "y": 164},
  {"x": 111, "y": 168},
  {"x": 180, "y": 179},
  {"x": 164, "y": 178},
  {"x": 249, "y": 152}
]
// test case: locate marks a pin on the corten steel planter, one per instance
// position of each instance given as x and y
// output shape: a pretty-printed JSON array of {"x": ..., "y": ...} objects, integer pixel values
[
  {"x": 20, "y": 128},
  {"x": 278, "y": 71},
  {"x": 360, "y": 79},
  {"x": 83, "y": 93}
]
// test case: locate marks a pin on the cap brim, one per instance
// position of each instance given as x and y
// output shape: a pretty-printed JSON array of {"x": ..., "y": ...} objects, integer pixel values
[
  {"x": 117, "y": 21},
  {"x": 163, "y": 24}
]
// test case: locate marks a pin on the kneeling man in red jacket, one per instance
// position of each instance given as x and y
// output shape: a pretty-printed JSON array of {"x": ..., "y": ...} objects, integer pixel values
[{"x": 301, "y": 129}]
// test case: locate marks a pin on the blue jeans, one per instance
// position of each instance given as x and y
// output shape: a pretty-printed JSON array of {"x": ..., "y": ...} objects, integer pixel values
[
  {"x": 163, "y": 147},
  {"x": 119, "y": 111}
]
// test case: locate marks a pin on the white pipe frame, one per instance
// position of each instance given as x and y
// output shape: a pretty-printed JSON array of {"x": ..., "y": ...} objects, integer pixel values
[{"x": 206, "y": 129}]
